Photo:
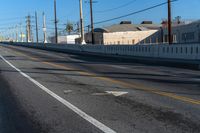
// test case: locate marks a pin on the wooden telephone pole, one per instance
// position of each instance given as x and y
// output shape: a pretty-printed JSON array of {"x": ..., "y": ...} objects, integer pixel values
[
  {"x": 169, "y": 23},
  {"x": 92, "y": 22},
  {"x": 55, "y": 21}
]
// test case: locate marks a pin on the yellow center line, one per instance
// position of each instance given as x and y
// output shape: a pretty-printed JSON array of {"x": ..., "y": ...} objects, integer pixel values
[{"x": 122, "y": 83}]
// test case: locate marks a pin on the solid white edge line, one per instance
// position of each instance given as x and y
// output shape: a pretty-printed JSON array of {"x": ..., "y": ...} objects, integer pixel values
[{"x": 82, "y": 114}]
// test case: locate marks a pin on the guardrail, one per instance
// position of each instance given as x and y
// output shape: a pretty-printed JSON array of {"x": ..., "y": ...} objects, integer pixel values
[{"x": 175, "y": 51}]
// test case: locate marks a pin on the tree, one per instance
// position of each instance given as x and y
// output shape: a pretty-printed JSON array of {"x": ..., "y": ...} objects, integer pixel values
[{"x": 69, "y": 27}]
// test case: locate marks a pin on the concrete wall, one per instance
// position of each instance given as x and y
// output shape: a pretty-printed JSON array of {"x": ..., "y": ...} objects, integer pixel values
[{"x": 176, "y": 51}]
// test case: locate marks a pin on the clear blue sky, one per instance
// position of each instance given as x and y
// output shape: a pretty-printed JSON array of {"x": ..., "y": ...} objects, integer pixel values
[{"x": 14, "y": 11}]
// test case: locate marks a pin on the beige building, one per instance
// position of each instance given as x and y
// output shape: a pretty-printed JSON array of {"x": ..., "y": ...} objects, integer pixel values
[{"x": 124, "y": 33}]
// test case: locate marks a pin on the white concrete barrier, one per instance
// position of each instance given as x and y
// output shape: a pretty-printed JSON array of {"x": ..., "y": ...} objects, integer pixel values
[{"x": 175, "y": 51}]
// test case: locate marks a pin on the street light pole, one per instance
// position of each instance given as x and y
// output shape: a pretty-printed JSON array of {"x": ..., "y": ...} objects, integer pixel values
[
  {"x": 81, "y": 21},
  {"x": 36, "y": 24},
  {"x": 56, "y": 29},
  {"x": 169, "y": 23},
  {"x": 44, "y": 28},
  {"x": 92, "y": 22}
]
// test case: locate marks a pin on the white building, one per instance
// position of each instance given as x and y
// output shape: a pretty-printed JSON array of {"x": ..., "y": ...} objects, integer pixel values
[{"x": 68, "y": 39}]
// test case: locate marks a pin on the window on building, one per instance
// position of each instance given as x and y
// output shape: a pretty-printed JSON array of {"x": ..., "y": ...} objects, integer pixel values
[
  {"x": 150, "y": 40},
  {"x": 166, "y": 38},
  {"x": 174, "y": 38},
  {"x": 157, "y": 40},
  {"x": 188, "y": 36},
  {"x": 133, "y": 41}
]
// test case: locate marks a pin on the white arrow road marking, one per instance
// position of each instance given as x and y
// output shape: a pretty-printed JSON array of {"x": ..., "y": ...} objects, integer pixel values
[
  {"x": 117, "y": 93},
  {"x": 114, "y": 93},
  {"x": 82, "y": 114},
  {"x": 67, "y": 91}
]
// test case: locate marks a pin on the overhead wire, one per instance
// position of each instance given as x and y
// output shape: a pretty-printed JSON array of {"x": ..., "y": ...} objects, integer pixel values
[
  {"x": 136, "y": 12},
  {"x": 115, "y": 8}
]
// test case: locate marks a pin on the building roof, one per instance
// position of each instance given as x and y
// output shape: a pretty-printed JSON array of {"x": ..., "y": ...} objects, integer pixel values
[{"x": 128, "y": 27}]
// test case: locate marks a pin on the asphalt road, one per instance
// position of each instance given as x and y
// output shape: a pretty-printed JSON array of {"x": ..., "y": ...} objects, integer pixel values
[{"x": 49, "y": 92}]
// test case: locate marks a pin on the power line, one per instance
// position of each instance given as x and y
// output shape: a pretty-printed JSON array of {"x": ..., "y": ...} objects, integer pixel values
[
  {"x": 10, "y": 19},
  {"x": 133, "y": 13},
  {"x": 112, "y": 9}
]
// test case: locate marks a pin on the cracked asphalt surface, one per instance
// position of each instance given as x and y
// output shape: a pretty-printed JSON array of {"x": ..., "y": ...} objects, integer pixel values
[{"x": 159, "y": 99}]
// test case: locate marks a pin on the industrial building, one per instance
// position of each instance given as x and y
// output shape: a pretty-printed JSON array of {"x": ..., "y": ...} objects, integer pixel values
[
  {"x": 187, "y": 32},
  {"x": 123, "y": 33}
]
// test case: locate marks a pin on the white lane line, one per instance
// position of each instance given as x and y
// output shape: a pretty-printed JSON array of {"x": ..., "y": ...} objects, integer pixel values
[{"x": 82, "y": 114}]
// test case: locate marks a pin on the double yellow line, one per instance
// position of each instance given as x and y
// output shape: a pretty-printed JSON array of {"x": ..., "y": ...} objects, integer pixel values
[{"x": 122, "y": 83}]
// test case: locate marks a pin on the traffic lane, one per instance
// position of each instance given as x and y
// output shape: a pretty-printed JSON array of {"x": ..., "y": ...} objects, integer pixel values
[
  {"x": 104, "y": 108},
  {"x": 178, "y": 81},
  {"x": 12, "y": 117},
  {"x": 133, "y": 104},
  {"x": 179, "y": 86},
  {"x": 41, "y": 108},
  {"x": 161, "y": 79},
  {"x": 154, "y": 101}
]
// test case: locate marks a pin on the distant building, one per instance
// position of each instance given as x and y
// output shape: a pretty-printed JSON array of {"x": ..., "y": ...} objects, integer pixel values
[
  {"x": 68, "y": 39},
  {"x": 182, "y": 32},
  {"x": 124, "y": 33}
]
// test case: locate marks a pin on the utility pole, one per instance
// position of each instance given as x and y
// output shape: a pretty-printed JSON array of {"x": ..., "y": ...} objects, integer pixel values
[
  {"x": 169, "y": 23},
  {"x": 44, "y": 28},
  {"x": 92, "y": 22},
  {"x": 81, "y": 21},
  {"x": 28, "y": 28},
  {"x": 36, "y": 24},
  {"x": 56, "y": 28}
]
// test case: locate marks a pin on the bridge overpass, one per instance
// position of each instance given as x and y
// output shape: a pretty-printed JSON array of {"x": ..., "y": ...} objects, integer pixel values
[{"x": 56, "y": 92}]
